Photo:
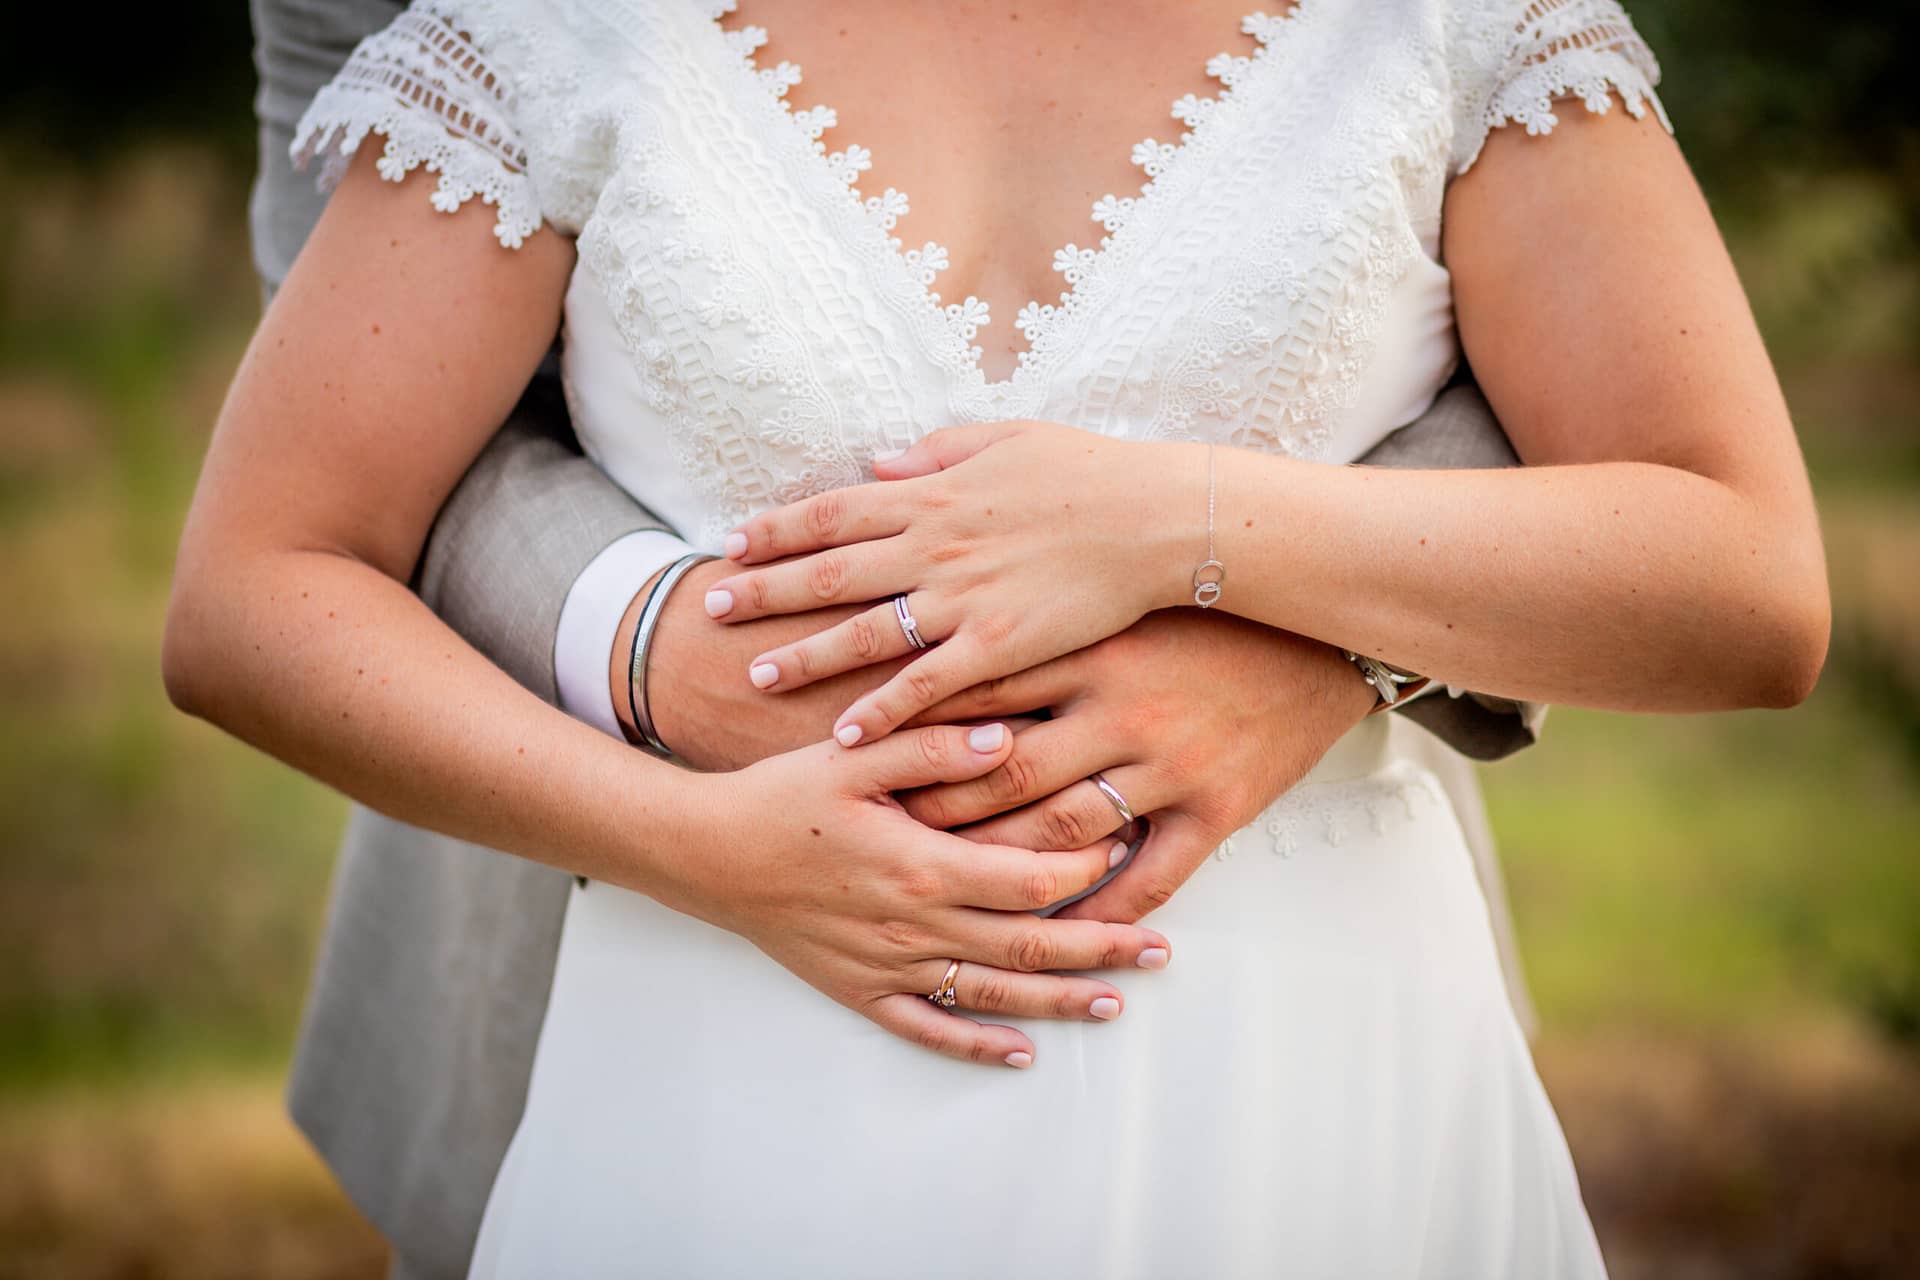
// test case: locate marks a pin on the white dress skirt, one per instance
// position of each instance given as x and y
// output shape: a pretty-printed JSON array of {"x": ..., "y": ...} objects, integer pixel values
[{"x": 1328, "y": 1080}]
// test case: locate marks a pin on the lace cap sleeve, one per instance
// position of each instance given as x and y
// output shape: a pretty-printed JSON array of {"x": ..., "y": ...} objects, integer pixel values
[
  {"x": 424, "y": 86},
  {"x": 1512, "y": 59}
]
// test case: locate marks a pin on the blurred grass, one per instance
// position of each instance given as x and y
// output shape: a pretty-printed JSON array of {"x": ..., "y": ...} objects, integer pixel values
[{"x": 1720, "y": 915}]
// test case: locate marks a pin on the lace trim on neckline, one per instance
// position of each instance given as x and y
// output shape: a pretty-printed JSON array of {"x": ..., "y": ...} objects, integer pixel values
[{"x": 1048, "y": 327}]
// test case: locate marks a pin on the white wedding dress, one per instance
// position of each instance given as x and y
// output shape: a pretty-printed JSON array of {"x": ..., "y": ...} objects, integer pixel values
[{"x": 1328, "y": 1080}]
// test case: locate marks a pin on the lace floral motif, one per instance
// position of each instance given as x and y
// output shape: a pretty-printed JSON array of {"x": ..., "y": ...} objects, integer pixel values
[
  {"x": 1327, "y": 813},
  {"x": 1586, "y": 49},
  {"x": 781, "y": 333},
  {"x": 1046, "y": 325},
  {"x": 424, "y": 86}
]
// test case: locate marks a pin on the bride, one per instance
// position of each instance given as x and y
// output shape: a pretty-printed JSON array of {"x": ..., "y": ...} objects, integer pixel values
[{"x": 1327, "y": 1080}]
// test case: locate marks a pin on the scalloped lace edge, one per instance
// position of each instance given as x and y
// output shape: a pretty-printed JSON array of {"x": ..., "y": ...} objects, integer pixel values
[
  {"x": 343, "y": 113},
  {"x": 1592, "y": 66},
  {"x": 1042, "y": 323}
]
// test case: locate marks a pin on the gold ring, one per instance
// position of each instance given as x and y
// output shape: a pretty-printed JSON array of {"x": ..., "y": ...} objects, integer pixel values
[{"x": 943, "y": 994}]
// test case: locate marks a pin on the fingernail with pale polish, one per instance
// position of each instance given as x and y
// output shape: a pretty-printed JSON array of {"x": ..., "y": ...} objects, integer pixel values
[
  {"x": 719, "y": 603},
  {"x": 1020, "y": 1058},
  {"x": 763, "y": 674},
  {"x": 1106, "y": 1007},
  {"x": 987, "y": 738},
  {"x": 1117, "y": 855},
  {"x": 734, "y": 545},
  {"x": 889, "y": 455},
  {"x": 847, "y": 735},
  {"x": 1152, "y": 958}
]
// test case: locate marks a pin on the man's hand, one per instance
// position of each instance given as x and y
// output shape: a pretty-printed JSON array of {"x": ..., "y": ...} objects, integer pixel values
[
  {"x": 1199, "y": 720},
  {"x": 703, "y": 704}
]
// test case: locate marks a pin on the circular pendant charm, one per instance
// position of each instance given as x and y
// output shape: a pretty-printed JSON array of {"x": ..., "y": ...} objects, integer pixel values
[{"x": 1207, "y": 581}]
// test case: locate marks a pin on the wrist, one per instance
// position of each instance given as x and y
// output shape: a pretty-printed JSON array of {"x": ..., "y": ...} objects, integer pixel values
[
  {"x": 1163, "y": 553},
  {"x": 619, "y": 660},
  {"x": 671, "y": 834}
]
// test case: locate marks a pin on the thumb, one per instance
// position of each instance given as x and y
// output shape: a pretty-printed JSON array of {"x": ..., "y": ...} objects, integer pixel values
[
  {"x": 922, "y": 757},
  {"x": 1176, "y": 845},
  {"x": 938, "y": 450}
]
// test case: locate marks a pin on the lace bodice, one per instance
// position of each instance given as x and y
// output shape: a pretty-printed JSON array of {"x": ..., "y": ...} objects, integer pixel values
[{"x": 744, "y": 328}]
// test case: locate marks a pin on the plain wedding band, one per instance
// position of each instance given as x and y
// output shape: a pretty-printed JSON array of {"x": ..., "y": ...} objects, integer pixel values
[{"x": 1119, "y": 801}]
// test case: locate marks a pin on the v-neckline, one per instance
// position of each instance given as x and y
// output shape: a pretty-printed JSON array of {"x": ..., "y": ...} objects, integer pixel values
[{"x": 1127, "y": 219}]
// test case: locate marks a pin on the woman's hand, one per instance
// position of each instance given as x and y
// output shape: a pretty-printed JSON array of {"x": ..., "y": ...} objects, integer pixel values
[
  {"x": 812, "y": 860},
  {"x": 1013, "y": 542}
]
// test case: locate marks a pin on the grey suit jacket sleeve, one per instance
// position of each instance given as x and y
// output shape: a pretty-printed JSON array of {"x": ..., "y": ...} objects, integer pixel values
[
  {"x": 1460, "y": 431},
  {"x": 530, "y": 512}
]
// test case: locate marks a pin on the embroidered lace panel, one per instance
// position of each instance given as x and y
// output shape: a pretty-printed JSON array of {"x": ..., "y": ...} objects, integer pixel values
[{"x": 782, "y": 334}]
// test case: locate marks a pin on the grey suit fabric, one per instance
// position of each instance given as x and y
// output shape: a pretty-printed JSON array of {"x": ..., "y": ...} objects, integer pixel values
[{"x": 432, "y": 979}]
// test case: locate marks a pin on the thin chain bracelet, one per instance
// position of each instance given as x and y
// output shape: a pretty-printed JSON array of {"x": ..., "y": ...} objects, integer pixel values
[{"x": 1211, "y": 575}]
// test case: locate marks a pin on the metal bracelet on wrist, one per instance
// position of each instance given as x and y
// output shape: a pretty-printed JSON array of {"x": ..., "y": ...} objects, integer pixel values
[
  {"x": 1386, "y": 681},
  {"x": 650, "y": 613}
]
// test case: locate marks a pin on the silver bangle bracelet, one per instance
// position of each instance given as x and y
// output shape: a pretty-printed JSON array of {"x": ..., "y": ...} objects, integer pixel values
[{"x": 650, "y": 613}]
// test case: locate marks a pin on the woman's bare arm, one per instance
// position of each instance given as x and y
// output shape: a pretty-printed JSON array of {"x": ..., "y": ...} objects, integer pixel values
[
  {"x": 397, "y": 345},
  {"x": 1659, "y": 552}
]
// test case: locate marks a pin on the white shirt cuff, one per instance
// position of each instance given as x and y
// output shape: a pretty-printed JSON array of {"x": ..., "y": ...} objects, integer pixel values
[{"x": 590, "y": 618}]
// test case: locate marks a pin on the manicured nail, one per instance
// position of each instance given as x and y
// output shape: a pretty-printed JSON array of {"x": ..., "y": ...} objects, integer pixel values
[
  {"x": 987, "y": 738},
  {"x": 847, "y": 734},
  {"x": 719, "y": 603},
  {"x": 1117, "y": 855},
  {"x": 734, "y": 545},
  {"x": 889, "y": 455},
  {"x": 1020, "y": 1058},
  {"x": 1104, "y": 1008},
  {"x": 1152, "y": 958},
  {"x": 763, "y": 674}
]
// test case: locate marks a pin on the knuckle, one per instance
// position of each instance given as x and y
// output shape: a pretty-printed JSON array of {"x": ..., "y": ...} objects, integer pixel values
[
  {"x": 1015, "y": 780},
  {"x": 922, "y": 685},
  {"x": 1066, "y": 826},
  {"x": 1033, "y": 950},
  {"x": 995, "y": 628},
  {"x": 992, "y": 990},
  {"x": 921, "y": 883},
  {"x": 757, "y": 594},
  {"x": 1039, "y": 887},
  {"x": 1159, "y": 890},
  {"x": 932, "y": 808},
  {"x": 825, "y": 513},
  {"x": 948, "y": 550},
  {"x": 934, "y": 749},
  {"x": 1067, "y": 1002},
  {"x": 863, "y": 638},
  {"x": 901, "y": 938},
  {"x": 934, "y": 1035},
  {"x": 801, "y": 658},
  {"x": 827, "y": 576}
]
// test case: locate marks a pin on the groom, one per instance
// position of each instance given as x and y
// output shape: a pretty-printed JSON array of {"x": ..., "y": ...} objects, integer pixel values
[{"x": 433, "y": 976}]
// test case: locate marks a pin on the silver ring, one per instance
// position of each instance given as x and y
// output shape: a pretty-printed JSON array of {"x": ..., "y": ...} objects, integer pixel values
[
  {"x": 908, "y": 627},
  {"x": 943, "y": 994},
  {"x": 1119, "y": 801}
]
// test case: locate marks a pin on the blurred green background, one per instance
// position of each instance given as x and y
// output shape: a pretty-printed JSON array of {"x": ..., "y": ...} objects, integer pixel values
[{"x": 1720, "y": 915}]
